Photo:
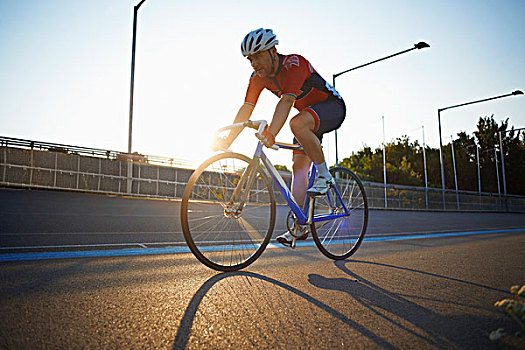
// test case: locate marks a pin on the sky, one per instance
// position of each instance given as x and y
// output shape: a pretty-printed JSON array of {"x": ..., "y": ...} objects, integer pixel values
[{"x": 65, "y": 69}]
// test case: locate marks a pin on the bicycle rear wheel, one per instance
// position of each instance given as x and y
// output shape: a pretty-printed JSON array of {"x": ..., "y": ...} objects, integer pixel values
[
  {"x": 340, "y": 238},
  {"x": 221, "y": 234}
]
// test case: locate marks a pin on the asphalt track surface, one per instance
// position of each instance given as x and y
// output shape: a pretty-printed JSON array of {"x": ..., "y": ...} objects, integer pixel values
[
  {"x": 433, "y": 289},
  {"x": 51, "y": 220}
]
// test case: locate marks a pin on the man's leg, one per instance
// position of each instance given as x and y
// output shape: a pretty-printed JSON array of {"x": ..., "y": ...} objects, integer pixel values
[
  {"x": 301, "y": 167},
  {"x": 303, "y": 125}
]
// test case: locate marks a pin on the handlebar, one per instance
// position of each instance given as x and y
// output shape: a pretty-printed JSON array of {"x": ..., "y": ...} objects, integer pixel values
[
  {"x": 253, "y": 124},
  {"x": 259, "y": 125}
]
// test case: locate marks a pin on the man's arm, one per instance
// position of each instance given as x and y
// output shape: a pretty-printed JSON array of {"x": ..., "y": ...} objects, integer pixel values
[
  {"x": 282, "y": 110},
  {"x": 244, "y": 114}
]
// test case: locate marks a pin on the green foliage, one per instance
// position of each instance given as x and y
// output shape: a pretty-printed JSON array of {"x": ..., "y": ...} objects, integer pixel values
[
  {"x": 281, "y": 167},
  {"x": 515, "y": 308},
  {"x": 404, "y": 160}
]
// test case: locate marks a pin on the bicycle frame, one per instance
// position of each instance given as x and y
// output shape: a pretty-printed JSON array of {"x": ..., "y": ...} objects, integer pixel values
[{"x": 304, "y": 217}]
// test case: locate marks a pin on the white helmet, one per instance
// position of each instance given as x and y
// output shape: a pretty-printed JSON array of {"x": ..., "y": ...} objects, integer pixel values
[{"x": 258, "y": 40}]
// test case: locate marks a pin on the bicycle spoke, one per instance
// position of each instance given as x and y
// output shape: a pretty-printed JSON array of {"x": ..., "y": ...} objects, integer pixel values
[
  {"x": 340, "y": 237},
  {"x": 223, "y": 233}
]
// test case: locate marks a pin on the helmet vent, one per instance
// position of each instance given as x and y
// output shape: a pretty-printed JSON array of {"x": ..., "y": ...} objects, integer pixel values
[{"x": 269, "y": 40}]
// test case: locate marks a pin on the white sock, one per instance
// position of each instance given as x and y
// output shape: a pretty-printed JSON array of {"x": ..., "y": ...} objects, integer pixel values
[{"x": 323, "y": 170}]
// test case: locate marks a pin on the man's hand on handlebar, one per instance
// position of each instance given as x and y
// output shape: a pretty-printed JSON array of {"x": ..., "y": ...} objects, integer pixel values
[
  {"x": 266, "y": 137},
  {"x": 263, "y": 134}
]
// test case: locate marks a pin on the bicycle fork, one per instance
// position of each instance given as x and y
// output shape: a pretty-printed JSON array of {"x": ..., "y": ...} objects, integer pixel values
[{"x": 248, "y": 178}]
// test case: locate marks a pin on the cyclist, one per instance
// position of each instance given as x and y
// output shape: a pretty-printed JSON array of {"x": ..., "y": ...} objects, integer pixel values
[{"x": 321, "y": 109}]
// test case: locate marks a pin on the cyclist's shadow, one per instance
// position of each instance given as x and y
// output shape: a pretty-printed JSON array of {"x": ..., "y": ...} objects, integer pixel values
[
  {"x": 187, "y": 322},
  {"x": 398, "y": 310}
]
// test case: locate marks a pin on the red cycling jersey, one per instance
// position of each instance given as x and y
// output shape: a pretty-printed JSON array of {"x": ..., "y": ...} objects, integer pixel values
[{"x": 295, "y": 76}]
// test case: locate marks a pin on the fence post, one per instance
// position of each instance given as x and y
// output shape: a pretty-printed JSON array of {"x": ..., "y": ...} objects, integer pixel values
[
  {"x": 158, "y": 178},
  {"x": 78, "y": 171},
  {"x": 130, "y": 176},
  {"x": 138, "y": 179},
  {"x": 119, "y": 174},
  {"x": 56, "y": 170},
  {"x": 5, "y": 162},
  {"x": 31, "y": 168},
  {"x": 99, "y": 173},
  {"x": 176, "y": 182}
]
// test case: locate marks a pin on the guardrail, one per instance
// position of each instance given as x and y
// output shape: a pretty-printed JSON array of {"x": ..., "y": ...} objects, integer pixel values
[
  {"x": 33, "y": 164},
  {"x": 419, "y": 198},
  {"x": 91, "y": 152}
]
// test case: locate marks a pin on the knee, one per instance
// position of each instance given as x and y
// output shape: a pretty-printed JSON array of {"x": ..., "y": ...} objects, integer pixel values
[
  {"x": 297, "y": 124},
  {"x": 302, "y": 122}
]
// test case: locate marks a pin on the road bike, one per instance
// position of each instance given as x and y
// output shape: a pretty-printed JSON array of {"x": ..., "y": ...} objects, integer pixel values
[{"x": 229, "y": 209}]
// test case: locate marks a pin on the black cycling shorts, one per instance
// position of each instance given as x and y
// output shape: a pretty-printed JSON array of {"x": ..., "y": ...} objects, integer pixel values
[{"x": 328, "y": 115}]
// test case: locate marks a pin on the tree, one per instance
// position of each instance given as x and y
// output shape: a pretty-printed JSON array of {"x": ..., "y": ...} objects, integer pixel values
[
  {"x": 404, "y": 160},
  {"x": 281, "y": 167},
  {"x": 513, "y": 141},
  {"x": 466, "y": 162}
]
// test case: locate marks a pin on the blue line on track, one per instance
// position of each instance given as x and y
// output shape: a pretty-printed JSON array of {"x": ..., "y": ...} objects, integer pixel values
[{"x": 176, "y": 250}]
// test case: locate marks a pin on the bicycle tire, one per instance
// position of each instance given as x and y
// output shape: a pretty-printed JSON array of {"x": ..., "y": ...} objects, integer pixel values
[
  {"x": 219, "y": 239},
  {"x": 339, "y": 238}
]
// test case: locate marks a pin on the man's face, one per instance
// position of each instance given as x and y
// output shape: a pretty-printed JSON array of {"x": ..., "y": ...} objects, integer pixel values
[{"x": 262, "y": 63}]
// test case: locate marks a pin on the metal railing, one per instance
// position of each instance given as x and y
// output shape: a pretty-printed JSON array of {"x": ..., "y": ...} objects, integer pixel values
[
  {"x": 92, "y": 152},
  {"x": 419, "y": 198},
  {"x": 35, "y": 164},
  {"x": 31, "y": 164}
]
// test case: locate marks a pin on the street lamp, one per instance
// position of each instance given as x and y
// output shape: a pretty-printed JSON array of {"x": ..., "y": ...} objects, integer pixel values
[
  {"x": 425, "y": 166},
  {"x": 136, "y": 9},
  {"x": 418, "y": 46},
  {"x": 455, "y": 173},
  {"x": 478, "y": 167},
  {"x": 384, "y": 163},
  {"x": 479, "y": 170},
  {"x": 517, "y": 92},
  {"x": 497, "y": 169}
]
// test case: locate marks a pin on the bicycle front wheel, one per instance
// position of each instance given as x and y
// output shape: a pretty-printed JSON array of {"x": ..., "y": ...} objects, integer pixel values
[
  {"x": 223, "y": 233},
  {"x": 340, "y": 238}
]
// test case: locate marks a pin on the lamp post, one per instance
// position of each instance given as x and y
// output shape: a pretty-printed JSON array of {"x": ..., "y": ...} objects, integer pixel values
[
  {"x": 425, "y": 166},
  {"x": 497, "y": 169},
  {"x": 479, "y": 178},
  {"x": 384, "y": 163},
  {"x": 479, "y": 170},
  {"x": 517, "y": 92},
  {"x": 418, "y": 46},
  {"x": 455, "y": 173},
  {"x": 132, "y": 85}
]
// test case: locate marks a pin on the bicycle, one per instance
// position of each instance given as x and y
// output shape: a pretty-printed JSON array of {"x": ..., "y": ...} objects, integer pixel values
[{"x": 228, "y": 209}]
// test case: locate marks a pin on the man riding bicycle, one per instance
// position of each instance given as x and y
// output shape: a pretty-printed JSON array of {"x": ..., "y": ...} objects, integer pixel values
[{"x": 321, "y": 109}]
